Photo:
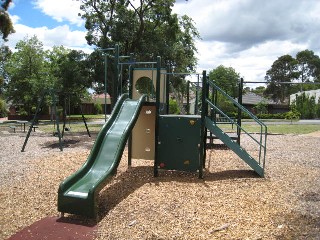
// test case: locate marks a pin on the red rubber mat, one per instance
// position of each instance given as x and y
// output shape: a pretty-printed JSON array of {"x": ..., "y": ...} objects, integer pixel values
[{"x": 53, "y": 228}]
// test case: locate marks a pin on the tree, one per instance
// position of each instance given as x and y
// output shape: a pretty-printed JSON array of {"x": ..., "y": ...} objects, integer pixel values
[
  {"x": 5, "y": 53},
  {"x": 226, "y": 78},
  {"x": 27, "y": 73},
  {"x": 304, "y": 68},
  {"x": 6, "y": 26},
  {"x": 69, "y": 68},
  {"x": 73, "y": 74},
  {"x": 147, "y": 29},
  {"x": 69, "y": 74},
  {"x": 33, "y": 72},
  {"x": 293, "y": 113},
  {"x": 307, "y": 106},
  {"x": 308, "y": 65},
  {"x": 259, "y": 90},
  {"x": 261, "y": 107},
  {"x": 282, "y": 71}
]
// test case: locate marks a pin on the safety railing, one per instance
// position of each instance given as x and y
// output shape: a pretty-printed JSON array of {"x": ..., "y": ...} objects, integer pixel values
[{"x": 261, "y": 141}]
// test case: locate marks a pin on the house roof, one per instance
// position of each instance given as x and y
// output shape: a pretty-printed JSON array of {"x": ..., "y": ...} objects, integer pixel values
[
  {"x": 310, "y": 93},
  {"x": 251, "y": 98},
  {"x": 98, "y": 98}
]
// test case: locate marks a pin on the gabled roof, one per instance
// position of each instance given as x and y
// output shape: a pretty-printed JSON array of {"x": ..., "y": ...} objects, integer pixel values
[
  {"x": 251, "y": 98},
  {"x": 97, "y": 98}
]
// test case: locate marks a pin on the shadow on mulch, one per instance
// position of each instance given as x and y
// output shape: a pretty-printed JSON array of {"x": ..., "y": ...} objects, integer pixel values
[
  {"x": 65, "y": 144},
  {"x": 299, "y": 226},
  {"x": 84, "y": 142}
]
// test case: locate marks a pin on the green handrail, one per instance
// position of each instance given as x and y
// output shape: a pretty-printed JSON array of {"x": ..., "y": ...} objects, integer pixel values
[{"x": 263, "y": 128}]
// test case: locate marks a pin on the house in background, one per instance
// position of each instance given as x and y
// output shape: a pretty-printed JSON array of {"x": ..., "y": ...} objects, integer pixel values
[
  {"x": 310, "y": 93},
  {"x": 250, "y": 100},
  {"x": 87, "y": 107},
  {"x": 88, "y": 104}
]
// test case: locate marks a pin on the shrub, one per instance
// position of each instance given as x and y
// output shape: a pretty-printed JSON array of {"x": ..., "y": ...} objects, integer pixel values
[
  {"x": 23, "y": 112},
  {"x": 3, "y": 108},
  {"x": 308, "y": 106},
  {"x": 97, "y": 108},
  {"x": 261, "y": 107},
  {"x": 291, "y": 115},
  {"x": 173, "y": 107},
  {"x": 271, "y": 116}
]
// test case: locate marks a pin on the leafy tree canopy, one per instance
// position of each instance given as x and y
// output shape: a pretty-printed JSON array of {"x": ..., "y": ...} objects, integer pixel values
[
  {"x": 305, "y": 67},
  {"x": 259, "y": 90},
  {"x": 33, "y": 71},
  {"x": 147, "y": 28},
  {"x": 6, "y": 26},
  {"x": 26, "y": 71},
  {"x": 226, "y": 78},
  {"x": 308, "y": 66},
  {"x": 5, "y": 53}
]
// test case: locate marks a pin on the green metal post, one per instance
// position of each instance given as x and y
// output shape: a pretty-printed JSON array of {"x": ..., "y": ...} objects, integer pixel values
[
  {"x": 57, "y": 122},
  {"x": 105, "y": 85},
  {"x": 130, "y": 150},
  {"x": 188, "y": 98},
  {"x": 130, "y": 96},
  {"x": 131, "y": 81},
  {"x": 213, "y": 112},
  {"x": 197, "y": 96},
  {"x": 116, "y": 76},
  {"x": 84, "y": 120},
  {"x": 33, "y": 122},
  {"x": 155, "y": 170},
  {"x": 239, "y": 110},
  {"x": 203, "y": 129},
  {"x": 167, "y": 92}
]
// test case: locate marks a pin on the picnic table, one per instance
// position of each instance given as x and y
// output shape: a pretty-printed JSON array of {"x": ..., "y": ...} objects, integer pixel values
[{"x": 23, "y": 123}]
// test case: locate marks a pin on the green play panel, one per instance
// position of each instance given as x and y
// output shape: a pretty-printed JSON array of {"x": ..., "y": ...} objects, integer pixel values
[{"x": 179, "y": 141}]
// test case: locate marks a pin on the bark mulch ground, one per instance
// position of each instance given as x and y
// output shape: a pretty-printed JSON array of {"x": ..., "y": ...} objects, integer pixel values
[{"x": 231, "y": 202}]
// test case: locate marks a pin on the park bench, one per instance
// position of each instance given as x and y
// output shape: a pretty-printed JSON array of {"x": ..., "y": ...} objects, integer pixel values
[
  {"x": 13, "y": 127},
  {"x": 34, "y": 127}
]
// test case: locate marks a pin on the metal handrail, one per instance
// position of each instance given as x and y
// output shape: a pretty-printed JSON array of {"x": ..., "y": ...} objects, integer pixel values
[
  {"x": 212, "y": 84},
  {"x": 263, "y": 128}
]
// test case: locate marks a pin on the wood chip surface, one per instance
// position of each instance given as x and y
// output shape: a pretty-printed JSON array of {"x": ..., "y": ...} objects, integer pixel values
[{"x": 231, "y": 202}]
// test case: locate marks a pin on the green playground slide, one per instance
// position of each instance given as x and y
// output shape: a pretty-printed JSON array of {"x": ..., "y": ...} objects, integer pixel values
[{"x": 78, "y": 194}]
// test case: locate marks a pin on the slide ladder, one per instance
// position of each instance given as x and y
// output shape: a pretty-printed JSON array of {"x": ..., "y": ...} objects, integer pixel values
[
  {"x": 78, "y": 194},
  {"x": 257, "y": 162}
]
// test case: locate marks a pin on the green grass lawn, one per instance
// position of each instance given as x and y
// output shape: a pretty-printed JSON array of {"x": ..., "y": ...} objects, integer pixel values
[
  {"x": 285, "y": 128},
  {"x": 73, "y": 127},
  {"x": 87, "y": 116},
  {"x": 275, "y": 129},
  {"x": 48, "y": 127}
]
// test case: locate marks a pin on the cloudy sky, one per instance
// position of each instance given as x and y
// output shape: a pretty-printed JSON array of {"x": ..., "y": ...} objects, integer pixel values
[{"x": 248, "y": 35}]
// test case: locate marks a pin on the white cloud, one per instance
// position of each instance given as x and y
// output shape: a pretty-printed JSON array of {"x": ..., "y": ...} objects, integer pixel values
[
  {"x": 61, "y": 10},
  {"x": 249, "y": 35},
  {"x": 252, "y": 63},
  {"x": 60, "y": 35}
]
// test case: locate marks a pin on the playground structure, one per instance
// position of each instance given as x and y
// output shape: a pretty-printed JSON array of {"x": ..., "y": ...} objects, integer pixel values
[{"x": 173, "y": 142}]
